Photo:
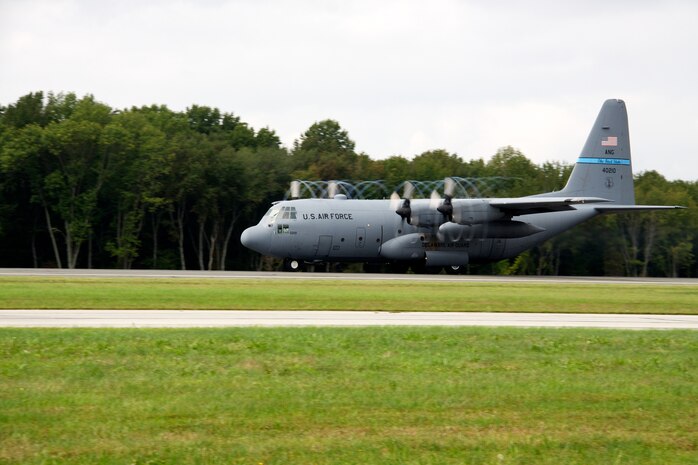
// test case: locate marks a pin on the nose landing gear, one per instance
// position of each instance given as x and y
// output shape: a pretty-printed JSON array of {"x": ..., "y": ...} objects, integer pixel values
[{"x": 291, "y": 264}]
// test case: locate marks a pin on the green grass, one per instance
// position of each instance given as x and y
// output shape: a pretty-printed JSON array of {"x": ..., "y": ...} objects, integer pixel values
[
  {"x": 294, "y": 294},
  {"x": 348, "y": 396}
]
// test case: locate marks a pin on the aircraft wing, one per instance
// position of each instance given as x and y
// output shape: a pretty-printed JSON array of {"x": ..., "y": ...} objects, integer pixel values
[{"x": 531, "y": 205}]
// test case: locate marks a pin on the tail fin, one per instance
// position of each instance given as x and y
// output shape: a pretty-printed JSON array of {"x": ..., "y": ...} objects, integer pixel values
[{"x": 604, "y": 168}]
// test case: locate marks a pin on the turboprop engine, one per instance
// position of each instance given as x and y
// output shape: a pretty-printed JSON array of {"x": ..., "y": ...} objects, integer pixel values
[
  {"x": 413, "y": 247},
  {"x": 435, "y": 211}
]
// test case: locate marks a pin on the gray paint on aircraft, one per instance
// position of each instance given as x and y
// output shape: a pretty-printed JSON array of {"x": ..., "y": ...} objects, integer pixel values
[{"x": 454, "y": 232}]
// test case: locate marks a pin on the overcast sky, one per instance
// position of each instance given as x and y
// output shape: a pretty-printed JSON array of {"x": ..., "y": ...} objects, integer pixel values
[{"x": 401, "y": 77}]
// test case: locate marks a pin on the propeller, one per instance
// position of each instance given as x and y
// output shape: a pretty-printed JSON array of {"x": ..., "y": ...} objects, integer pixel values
[
  {"x": 446, "y": 208},
  {"x": 404, "y": 210}
]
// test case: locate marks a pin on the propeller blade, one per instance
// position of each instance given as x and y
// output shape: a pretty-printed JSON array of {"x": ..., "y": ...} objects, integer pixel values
[
  {"x": 395, "y": 201},
  {"x": 434, "y": 200},
  {"x": 295, "y": 189},
  {"x": 449, "y": 187},
  {"x": 332, "y": 189},
  {"x": 408, "y": 190}
]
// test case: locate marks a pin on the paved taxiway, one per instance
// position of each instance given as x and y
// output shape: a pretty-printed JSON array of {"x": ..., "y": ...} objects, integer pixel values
[{"x": 207, "y": 318}]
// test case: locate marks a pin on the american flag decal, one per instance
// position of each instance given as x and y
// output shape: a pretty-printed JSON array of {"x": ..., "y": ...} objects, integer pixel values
[{"x": 610, "y": 141}]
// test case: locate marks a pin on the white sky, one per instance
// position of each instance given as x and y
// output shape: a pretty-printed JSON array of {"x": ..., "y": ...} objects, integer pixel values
[{"x": 401, "y": 77}]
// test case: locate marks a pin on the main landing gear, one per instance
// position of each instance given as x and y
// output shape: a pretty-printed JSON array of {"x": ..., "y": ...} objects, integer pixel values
[
  {"x": 454, "y": 269},
  {"x": 294, "y": 265}
]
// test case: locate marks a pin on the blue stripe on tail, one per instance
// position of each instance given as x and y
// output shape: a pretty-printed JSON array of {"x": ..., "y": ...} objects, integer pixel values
[{"x": 604, "y": 161}]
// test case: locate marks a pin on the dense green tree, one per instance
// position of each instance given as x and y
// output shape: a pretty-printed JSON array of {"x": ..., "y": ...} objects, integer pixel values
[
  {"x": 139, "y": 164},
  {"x": 60, "y": 107},
  {"x": 267, "y": 138},
  {"x": 324, "y": 151},
  {"x": 219, "y": 203},
  {"x": 77, "y": 165},
  {"x": 63, "y": 164},
  {"x": 436, "y": 164},
  {"x": 512, "y": 164},
  {"x": 551, "y": 176},
  {"x": 396, "y": 169},
  {"x": 22, "y": 181},
  {"x": 29, "y": 109},
  {"x": 326, "y": 136},
  {"x": 203, "y": 119}
]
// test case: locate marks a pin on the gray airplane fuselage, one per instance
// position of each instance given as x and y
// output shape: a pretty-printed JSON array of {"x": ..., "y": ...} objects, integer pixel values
[
  {"x": 451, "y": 231},
  {"x": 344, "y": 230}
]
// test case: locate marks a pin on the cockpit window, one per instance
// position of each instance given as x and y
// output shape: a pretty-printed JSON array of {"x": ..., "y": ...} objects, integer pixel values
[
  {"x": 272, "y": 214},
  {"x": 283, "y": 213},
  {"x": 288, "y": 213}
]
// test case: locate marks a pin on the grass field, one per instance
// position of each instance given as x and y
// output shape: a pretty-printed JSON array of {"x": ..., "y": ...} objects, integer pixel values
[
  {"x": 348, "y": 396},
  {"x": 250, "y": 294}
]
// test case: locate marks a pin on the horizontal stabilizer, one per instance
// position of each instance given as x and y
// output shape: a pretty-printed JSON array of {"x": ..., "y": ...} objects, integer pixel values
[
  {"x": 531, "y": 205},
  {"x": 634, "y": 208}
]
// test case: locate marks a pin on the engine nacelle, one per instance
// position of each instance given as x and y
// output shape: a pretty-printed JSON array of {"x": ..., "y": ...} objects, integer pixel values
[
  {"x": 426, "y": 218},
  {"x": 423, "y": 215},
  {"x": 404, "y": 248},
  {"x": 450, "y": 258},
  {"x": 475, "y": 211}
]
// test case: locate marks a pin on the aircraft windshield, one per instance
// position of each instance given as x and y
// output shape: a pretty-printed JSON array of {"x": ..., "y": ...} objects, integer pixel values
[
  {"x": 272, "y": 214},
  {"x": 280, "y": 213}
]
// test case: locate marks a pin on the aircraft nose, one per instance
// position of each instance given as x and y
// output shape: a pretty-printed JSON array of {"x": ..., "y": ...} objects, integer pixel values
[{"x": 255, "y": 239}]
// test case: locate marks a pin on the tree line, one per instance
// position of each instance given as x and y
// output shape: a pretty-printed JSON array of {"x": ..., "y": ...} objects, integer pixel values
[{"x": 86, "y": 185}]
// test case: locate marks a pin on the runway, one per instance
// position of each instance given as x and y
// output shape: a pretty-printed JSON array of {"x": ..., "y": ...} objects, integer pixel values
[
  {"x": 220, "y": 319},
  {"x": 195, "y": 274},
  {"x": 206, "y": 318}
]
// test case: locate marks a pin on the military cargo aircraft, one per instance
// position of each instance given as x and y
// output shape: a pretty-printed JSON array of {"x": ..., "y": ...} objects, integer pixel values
[{"x": 430, "y": 234}]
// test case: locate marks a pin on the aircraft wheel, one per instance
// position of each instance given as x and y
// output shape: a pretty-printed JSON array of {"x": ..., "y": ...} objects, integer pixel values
[
  {"x": 454, "y": 269},
  {"x": 291, "y": 264}
]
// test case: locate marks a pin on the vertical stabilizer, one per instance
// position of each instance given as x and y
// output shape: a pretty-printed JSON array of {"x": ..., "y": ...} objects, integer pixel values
[{"x": 604, "y": 168}]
